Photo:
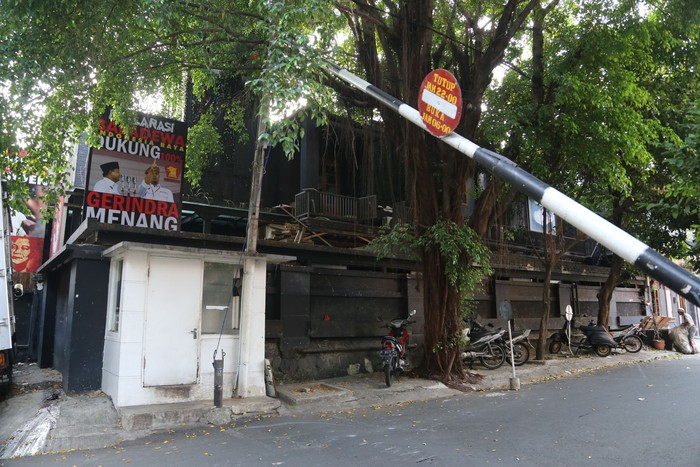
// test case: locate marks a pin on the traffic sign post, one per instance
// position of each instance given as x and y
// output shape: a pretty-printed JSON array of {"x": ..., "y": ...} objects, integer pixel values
[{"x": 440, "y": 102}]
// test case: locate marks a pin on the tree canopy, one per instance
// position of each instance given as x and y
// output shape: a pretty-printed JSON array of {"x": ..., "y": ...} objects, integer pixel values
[
  {"x": 594, "y": 105},
  {"x": 65, "y": 61}
]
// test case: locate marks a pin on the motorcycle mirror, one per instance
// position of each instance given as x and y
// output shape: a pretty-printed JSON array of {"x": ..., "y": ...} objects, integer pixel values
[{"x": 412, "y": 313}]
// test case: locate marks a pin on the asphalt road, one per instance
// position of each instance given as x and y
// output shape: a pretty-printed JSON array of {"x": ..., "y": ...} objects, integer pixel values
[{"x": 644, "y": 414}]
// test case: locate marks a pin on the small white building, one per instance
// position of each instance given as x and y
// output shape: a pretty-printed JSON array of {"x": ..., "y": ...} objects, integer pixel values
[{"x": 171, "y": 311}]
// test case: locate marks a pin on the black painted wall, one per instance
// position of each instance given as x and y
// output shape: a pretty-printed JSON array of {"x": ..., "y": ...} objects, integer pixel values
[
  {"x": 88, "y": 327},
  {"x": 46, "y": 320},
  {"x": 327, "y": 321},
  {"x": 23, "y": 310},
  {"x": 80, "y": 324}
]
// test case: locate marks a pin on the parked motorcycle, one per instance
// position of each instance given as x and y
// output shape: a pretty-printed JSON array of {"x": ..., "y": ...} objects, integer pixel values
[
  {"x": 521, "y": 347},
  {"x": 521, "y": 343},
  {"x": 394, "y": 345},
  {"x": 484, "y": 345},
  {"x": 628, "y": 338},
  {"x": 595, "y": 338}
]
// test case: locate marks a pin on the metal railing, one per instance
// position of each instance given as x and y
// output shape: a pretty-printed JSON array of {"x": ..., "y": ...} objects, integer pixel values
[{"x": 314, "y": 203}]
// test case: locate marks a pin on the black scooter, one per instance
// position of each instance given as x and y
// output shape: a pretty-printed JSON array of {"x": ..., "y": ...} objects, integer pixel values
[{"x": 595, "y": 338}]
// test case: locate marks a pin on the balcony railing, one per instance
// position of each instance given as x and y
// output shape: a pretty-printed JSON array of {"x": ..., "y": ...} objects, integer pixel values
[{"x": 313, "y": 203}]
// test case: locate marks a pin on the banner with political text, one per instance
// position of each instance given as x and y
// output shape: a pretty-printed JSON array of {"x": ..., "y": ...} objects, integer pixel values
[{"x": 135, "y": 176}]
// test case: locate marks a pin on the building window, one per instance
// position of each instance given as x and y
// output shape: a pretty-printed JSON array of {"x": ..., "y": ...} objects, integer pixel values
[
  {"x": 116, "y": 295},
  {"x": 220, "y": 310}
]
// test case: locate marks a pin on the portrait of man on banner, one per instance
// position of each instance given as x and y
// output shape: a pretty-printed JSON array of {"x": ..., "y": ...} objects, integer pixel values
[
  {"x": 111, "y": 176},
  {"x": 30, "y": 222},
  {"x": 151, "y": 188}
]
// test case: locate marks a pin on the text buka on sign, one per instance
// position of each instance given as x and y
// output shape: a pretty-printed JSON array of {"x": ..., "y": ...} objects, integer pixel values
[{"x": 440, "y": 102}]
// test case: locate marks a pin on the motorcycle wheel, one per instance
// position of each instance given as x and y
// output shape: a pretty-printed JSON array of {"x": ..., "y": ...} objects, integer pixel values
[
  {"x": 388, "y": 374},
  {"x": 521, "y": 354},
  {"x": 496, "y": 359},
  {"x": 632, "y": 344},
  {"x": 555, "y": 347},
  {"x": 602, "y": 350}
]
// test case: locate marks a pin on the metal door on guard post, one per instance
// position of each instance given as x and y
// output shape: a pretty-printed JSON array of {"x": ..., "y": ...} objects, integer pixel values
[{"x": 171, "y": 350}]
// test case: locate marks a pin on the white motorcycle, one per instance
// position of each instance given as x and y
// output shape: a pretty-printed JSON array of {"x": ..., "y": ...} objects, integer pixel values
[
  {"x": 486, "y": 346},
  {"x": 521, "y": 343}
]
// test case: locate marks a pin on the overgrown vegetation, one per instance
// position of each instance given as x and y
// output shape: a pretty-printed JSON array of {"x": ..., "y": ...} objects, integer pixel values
[{"x": 466, "y": 257}]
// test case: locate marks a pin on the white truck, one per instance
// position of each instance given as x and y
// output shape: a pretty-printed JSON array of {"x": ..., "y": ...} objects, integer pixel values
[{"x": 7, "y": 317}]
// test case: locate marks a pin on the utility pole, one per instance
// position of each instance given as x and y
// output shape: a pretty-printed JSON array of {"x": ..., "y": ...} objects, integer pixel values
[
  {"x": 251, "y": 243},
  {"x": 251, "y": 362}
]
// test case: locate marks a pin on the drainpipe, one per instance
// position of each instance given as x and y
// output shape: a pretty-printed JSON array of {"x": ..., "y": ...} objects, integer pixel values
[{"x": 218, "y": 379}]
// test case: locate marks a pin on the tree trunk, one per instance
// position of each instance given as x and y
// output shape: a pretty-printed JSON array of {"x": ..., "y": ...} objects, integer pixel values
[
  {"x": 442, "y": 320},
  {"x": 606, "y": 290},
  {"x": 546, "y": 307},
  {"x": 436, "y": 173},
  {"x": 551, "y": 258}
]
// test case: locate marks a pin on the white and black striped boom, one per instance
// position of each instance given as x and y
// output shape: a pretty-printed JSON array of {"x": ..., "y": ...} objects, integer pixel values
[{"x": 612, "y": 237}]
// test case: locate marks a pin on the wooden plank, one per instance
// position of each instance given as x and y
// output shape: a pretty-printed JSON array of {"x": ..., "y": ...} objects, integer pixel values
[
  {"x": 627, "y": 320},
  {"x": 661, "y": 322}
]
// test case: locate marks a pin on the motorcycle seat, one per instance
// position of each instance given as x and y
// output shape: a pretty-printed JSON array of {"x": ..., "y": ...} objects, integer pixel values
[
  {"x": 624, "y": 328},
  {"x": 594, "y": 328},
  {"x": 476, "y": 334}
]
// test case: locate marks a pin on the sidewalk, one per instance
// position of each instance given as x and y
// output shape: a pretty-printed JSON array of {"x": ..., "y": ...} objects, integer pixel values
[{"x": 41, "y": 418}]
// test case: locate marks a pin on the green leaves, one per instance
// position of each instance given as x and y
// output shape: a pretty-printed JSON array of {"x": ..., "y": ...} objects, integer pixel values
[
  {"x": 204, "y": 142},
  {"x": 60, "y": 71},
  {"x": 464, "y": 258},
  {"x": 678, "y": 201},
  {"x": 612, "y": 81}
]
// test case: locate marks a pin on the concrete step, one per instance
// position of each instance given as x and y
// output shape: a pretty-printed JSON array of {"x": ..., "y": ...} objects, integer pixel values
[{"x": 163, "y": 416}]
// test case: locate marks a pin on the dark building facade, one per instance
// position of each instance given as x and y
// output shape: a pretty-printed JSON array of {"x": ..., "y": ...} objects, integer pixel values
[{"x": 323, "y": 304}]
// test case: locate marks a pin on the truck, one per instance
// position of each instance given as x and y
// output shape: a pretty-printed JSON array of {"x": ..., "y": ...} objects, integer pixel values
[{"x": 7, "y": 317}]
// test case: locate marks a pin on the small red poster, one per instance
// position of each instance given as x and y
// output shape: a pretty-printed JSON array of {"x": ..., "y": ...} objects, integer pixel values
[{"x": 26, "y": 253}]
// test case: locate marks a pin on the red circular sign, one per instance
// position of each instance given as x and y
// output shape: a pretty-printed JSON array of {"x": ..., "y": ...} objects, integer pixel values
[{"x": 440, "y": 102}]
